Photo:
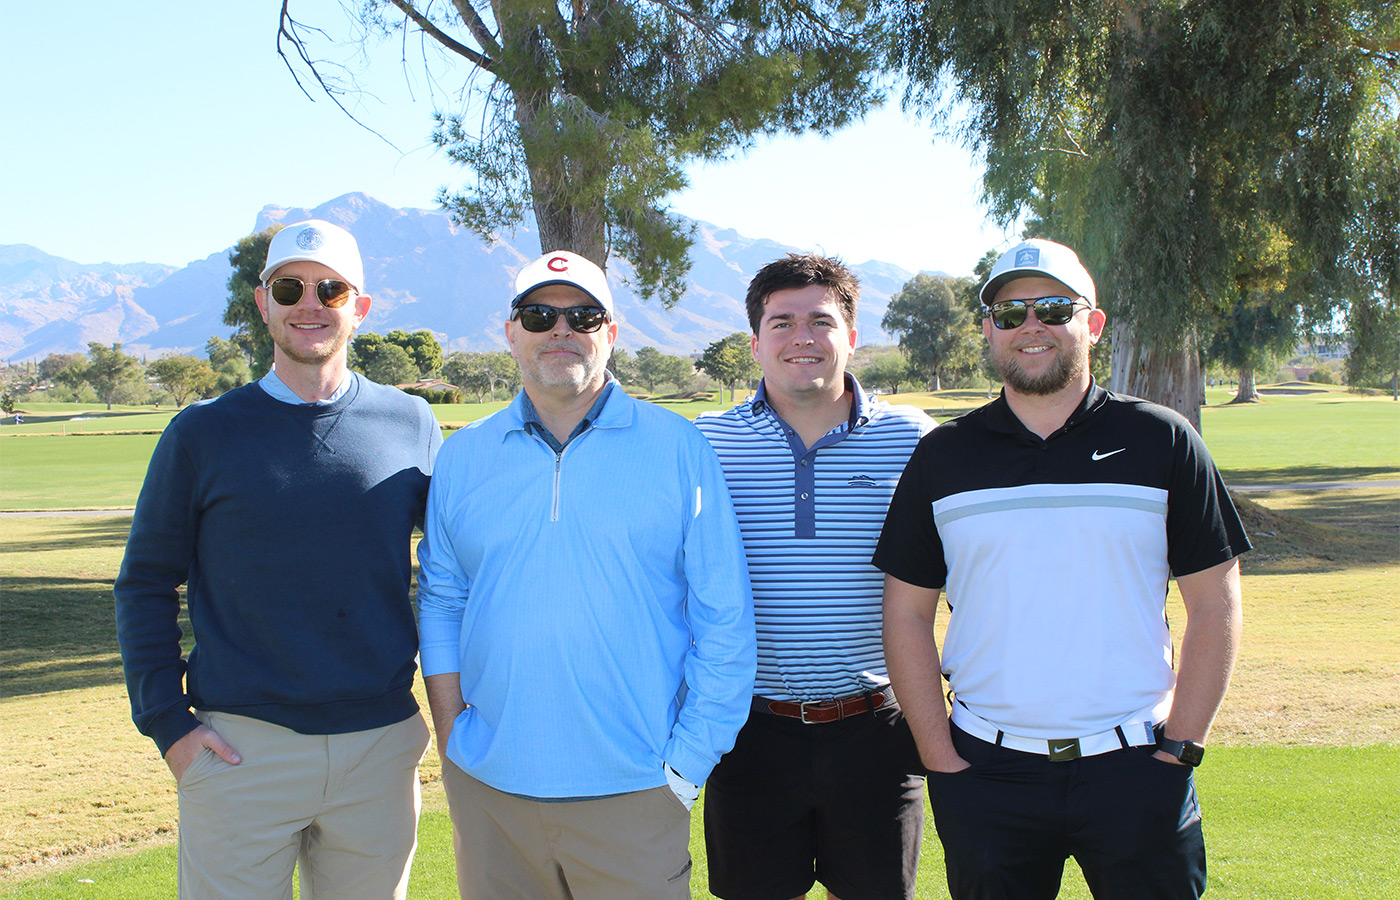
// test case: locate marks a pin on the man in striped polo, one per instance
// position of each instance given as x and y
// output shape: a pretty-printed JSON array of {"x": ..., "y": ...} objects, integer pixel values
[{"x": 818, "y": 785}]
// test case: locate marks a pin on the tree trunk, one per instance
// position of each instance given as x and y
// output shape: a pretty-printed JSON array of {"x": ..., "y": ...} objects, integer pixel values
[
  {"x": 1170, "y": 376},
  {"x": 562, "y": 225},
  {"x": 935, "y": 383},
  {"x": 1247, "y": 392}
]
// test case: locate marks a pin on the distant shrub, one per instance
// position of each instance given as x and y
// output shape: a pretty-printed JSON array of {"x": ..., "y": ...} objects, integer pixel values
[
  {"x": 435, "y": 395},
  {"x": 1322, "y": 376}
]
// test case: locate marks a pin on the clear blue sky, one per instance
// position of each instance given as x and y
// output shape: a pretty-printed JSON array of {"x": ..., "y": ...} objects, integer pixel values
[{"x": 155, "y": 132}]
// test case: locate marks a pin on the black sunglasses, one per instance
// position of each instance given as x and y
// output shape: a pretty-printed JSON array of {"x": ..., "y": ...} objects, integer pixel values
[
  {"x": 332, "y": 292},
  {"x": 537, "y": 317},
  {"x": 1048, "y": 311}
]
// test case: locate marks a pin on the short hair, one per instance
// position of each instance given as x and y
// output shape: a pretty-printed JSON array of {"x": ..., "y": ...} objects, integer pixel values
[{"x": 798, "y": 270}]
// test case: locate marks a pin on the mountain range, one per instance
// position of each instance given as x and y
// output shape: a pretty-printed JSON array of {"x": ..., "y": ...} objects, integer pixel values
[{"x": 422, "y": 271}]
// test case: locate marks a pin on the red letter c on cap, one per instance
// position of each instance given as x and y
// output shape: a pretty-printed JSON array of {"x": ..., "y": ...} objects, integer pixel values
[{"x": 558, "y": 264}]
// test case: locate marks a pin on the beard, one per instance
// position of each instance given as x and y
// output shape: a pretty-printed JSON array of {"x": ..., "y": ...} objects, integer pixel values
[
  {"x": 323, "y": 350},
  {"x": 577, "y": 373},
  {"x": 1070, "y": 365}
]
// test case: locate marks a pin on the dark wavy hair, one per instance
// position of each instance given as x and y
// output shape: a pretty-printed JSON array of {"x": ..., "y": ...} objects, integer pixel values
[{"x": 797, "y": 270}]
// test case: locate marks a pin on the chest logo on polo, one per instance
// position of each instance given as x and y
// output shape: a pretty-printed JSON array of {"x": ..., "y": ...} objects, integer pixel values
[
  {"x": 1096, "y": 455},
  {"x": 861, "y": 481}
]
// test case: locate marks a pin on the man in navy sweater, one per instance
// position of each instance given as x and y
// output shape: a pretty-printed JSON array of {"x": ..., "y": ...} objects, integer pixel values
[{"x": 286, "y": 506}]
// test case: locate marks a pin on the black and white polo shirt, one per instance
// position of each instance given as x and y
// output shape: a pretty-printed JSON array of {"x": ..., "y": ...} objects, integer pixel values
[{"x": 1055, "y": 555}]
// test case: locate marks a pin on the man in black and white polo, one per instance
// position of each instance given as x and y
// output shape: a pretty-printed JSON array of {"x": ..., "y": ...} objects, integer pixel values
[{"x": 1053, "y": 517}]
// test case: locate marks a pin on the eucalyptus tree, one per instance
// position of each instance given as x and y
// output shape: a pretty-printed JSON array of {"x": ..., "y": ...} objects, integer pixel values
[
  {"x": 183, "y": 376},
  {"x": 112, "y": 373},
  {"x": 584, "y": 113},
  {"x": 1373, "y": 318},
  {"x": 652, "y": 367},
  {"x": 729, "y": 361},
  {"x": 1156, "y": 137},
  {"x": 935, "y": 330}
]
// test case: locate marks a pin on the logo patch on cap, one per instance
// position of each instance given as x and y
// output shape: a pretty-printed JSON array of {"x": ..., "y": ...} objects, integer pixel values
[
  {"x": 1027, "y": 257},
  {"x": 310, "y": 239},
  {"x": 558, "y": 264}
]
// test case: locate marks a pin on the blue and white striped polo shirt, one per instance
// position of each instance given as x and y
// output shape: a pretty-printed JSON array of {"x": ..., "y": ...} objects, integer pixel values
[{"x": 810, "y": 519}]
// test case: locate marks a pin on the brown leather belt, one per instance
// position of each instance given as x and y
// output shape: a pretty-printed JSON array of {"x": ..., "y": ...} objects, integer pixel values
[{"x": 820, "y": 712}]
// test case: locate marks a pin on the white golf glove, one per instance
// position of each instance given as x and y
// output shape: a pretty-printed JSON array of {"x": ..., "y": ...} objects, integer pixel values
[{"x": 685, "y": 792}]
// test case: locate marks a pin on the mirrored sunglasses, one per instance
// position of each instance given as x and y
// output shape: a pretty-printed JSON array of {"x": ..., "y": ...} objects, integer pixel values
[
  {"x": 332, "y": 292},
  {"x": 1048, "y": 311},
  {"x": 537, "y": 317}
]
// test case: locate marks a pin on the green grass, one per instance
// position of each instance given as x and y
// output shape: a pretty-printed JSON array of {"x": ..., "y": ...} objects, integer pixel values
[
  {"x": 1328, "y": 436},
  {"x": 94, "y": 471},
  {"x": 86, "y": 418},
  {"x": 1283, "y": 824},
  {"x": 1345, "y": 437},
  {"x": 42, "y": 466},
  {"x": 1318, "y": 670},
  {"x": 1299, "y": 788},
  {"x": 453, "y": 415}
]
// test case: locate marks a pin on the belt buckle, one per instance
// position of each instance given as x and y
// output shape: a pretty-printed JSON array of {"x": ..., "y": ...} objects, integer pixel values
[
  {"x": 1064, "y": 749},
  {"x": 802, "y": 711}
]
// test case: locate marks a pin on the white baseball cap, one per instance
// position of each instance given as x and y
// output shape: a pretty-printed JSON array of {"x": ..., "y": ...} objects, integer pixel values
[
  {"x": 563, "y": 267},
  {"x": 1046, "y": 259},
  {"x": 319, "y": 242}
]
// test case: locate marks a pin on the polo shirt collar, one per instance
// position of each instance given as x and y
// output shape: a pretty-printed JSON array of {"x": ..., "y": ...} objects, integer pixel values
[
  {"x": 602, "y": 414},
  {"x": 860, "y": 402},
  {"x": 1001, "y": 418}
]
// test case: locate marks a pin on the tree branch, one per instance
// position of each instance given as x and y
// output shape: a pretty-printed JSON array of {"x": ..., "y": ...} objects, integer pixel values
[
  {"x": 711, "y": 27},
  {"x": 1077, "y": 151},
  {"x": 477, "y": 27},
  {"x": 446, "y": 40},
  {"x": 287, "y": 28}
]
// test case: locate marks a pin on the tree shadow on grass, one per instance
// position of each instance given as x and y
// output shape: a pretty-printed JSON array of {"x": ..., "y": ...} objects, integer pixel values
[
  {"x": 1374, "y": 512},
  {"x": 1305, "y": 541},
  {"x": 23, "y": 678},
  {"x": 1294, "y": 474},
  {"x": 59, "y": 634},
  {"x": 87, "y": 415},
  {"x": 77, "y": 533}
]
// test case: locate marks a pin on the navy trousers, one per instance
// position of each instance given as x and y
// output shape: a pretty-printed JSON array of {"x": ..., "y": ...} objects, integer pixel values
[{"x": 1010, "y": 821}]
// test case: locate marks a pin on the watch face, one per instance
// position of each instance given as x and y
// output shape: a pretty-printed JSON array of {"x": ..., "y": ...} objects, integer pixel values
[{"x": 1189, "y": 752}]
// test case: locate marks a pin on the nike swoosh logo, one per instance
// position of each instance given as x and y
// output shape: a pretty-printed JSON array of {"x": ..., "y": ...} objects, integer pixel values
[
  {"x": 1096, "y": 455},
  {"x": 1054, "y": 749}
]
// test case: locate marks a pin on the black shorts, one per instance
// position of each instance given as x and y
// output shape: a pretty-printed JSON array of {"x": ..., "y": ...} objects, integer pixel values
[
  {"x": 1010, "y": 821},
  {"x": 793, "y": 804}
]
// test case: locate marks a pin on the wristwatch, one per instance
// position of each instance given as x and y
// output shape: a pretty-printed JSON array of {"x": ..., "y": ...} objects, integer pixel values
[{"x": 1189, "y": 752}]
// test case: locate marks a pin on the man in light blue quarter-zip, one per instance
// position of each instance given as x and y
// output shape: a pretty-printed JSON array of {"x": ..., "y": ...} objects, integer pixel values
[{"x": 586, "y": 618}]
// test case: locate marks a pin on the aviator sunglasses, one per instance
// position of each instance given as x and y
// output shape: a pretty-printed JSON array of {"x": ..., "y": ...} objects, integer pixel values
[
  {"x": 287, "y": 290},
  {"x": 1048, "y": 311},
  {"x": 537, "y": 317}
]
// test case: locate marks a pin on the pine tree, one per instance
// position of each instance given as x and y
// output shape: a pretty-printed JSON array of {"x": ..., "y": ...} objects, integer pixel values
[{"x": 585, "y": 113}]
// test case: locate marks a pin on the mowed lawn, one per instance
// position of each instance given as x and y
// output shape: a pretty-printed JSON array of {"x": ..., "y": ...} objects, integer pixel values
[
  {"x": 1299, "y": 788},
  {"x": 1324, "y": 435}
]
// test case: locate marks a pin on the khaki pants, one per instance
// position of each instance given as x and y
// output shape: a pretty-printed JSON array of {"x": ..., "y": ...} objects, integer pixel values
[
  {"x": 630, "y": 847},
  {"x": 343, "y": 806}
]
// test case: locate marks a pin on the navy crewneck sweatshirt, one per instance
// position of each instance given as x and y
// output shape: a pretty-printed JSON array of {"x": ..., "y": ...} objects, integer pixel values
[{"x": 290, "y": 526}]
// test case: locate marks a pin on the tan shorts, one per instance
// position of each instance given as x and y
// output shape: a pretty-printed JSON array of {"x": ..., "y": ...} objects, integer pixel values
[
  {"x": 343, "y": 806},
  {"x": 630, "y": 847}
]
